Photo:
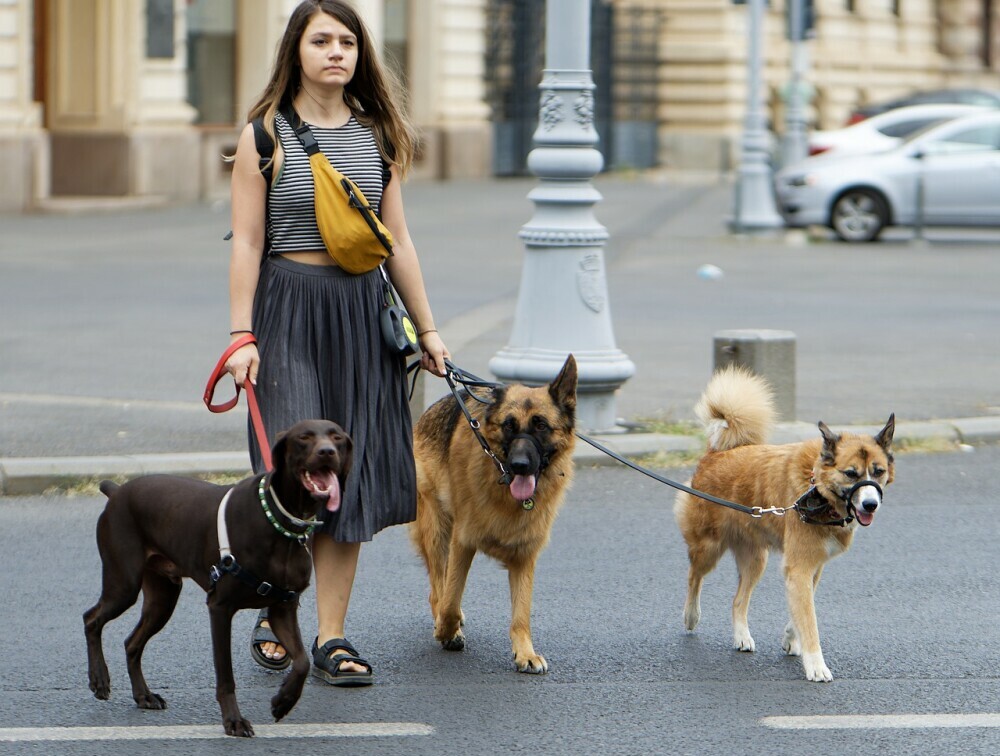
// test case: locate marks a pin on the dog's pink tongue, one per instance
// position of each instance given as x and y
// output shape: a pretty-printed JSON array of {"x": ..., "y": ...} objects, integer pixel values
[
  {"x": 865, "y": 518},
  {"x": 522, "y": 487},
  {"x": 333, "y": 503}
]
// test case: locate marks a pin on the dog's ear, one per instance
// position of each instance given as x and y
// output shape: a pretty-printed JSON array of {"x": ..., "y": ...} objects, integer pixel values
[
  {"x": 563, "y": 387},
  {"x": 278, "y": 450},
  {"x": 347, "y": 456},
  {"x": 884, "y": 437},
  {"x": 830, "y": 439}
]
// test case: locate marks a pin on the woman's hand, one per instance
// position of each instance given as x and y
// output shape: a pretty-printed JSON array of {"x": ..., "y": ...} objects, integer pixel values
[
  {"x": 243, "y": 364},
  {"x": 433, "y": 353}
]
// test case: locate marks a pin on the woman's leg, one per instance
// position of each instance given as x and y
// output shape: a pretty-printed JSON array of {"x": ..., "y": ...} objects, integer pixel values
[{"x": 336, "y": 564}]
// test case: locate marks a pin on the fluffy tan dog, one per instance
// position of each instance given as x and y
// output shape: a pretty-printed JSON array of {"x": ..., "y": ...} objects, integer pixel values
[{"x": 837, "y": 480}]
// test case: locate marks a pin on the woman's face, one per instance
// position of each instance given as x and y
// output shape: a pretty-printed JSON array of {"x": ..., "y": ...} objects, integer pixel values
[{"x": 328, "y": 52}]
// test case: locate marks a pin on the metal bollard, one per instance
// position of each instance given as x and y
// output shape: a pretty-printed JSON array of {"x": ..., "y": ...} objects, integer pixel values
[{"x": 767, "y": 353}]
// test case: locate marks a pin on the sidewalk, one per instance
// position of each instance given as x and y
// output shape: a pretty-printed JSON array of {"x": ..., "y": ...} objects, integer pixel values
[{"x": 112, "y": 323}]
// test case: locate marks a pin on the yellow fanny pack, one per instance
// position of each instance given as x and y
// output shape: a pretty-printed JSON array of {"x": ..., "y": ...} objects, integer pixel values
[{"x": 353, "y": 234}]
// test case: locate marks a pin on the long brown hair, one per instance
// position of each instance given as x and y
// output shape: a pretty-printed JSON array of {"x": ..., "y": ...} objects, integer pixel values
[{"x": 373, "y": 94}]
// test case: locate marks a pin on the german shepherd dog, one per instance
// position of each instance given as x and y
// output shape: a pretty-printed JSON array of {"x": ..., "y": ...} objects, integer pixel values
[
  {"x": 831, "y": 477},
  {"x": 461, "y": 510}
]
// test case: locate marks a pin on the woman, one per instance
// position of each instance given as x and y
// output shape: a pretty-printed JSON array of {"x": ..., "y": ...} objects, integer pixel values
[{"x": 319, "y": 351}]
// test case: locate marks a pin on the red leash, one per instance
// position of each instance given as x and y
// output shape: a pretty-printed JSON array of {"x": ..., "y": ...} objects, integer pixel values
[{"x": 255, "y": 418}]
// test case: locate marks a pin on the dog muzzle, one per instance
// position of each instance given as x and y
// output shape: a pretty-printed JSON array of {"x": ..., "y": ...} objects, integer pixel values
[
  {"x": 522, "y": 475},
  {"x": 868, "y": 504}
]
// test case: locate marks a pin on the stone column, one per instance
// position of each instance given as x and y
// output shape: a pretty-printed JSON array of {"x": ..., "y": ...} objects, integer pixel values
[
  {"x": 961, "y": 33},
  {"x": 117, "y": 103},
  {"x": 447, "y": 87},
  {"x": 24, "y": 147}
]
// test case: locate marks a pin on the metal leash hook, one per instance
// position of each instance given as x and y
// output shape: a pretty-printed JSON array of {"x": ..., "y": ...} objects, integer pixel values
[{"x": 758, "y": 512}]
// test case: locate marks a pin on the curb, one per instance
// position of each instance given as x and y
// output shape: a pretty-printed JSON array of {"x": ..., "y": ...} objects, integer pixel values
[{"x": 32, "y": 476}]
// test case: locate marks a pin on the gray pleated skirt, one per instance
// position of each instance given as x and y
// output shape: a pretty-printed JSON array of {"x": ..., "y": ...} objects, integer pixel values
[{"x": 322, "y": 356}]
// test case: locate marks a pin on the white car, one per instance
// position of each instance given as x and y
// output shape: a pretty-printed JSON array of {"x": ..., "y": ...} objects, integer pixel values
[
  {"x": 946, "y": 175},
  {"x": 885, "y": 130}
]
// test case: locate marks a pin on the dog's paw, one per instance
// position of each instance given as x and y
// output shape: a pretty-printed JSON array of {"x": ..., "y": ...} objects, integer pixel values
[
  {"x": 692, "y": 616},
  {"x": 815, "y": 668},
  {"x": 150, "y": 700},
  {"x": 101, "y": 686},
  {"x": 238, "y": 727},
  {"x": 455, "y": 642},
  {"x": 743, "y": 641},
  {"x": 532, "y": 664},
  {"x": 282, "y": 703},
  {"x": 790, "y": 641}
]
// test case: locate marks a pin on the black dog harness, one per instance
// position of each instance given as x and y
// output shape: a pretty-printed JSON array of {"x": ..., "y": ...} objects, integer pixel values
[{"x": 229, "y": 566}]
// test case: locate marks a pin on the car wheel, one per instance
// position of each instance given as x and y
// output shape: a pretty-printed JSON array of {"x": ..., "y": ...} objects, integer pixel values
[{"x": 859, "y": 215}]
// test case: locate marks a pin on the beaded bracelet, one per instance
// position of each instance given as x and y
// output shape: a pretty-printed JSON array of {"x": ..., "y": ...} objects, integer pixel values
[{"x": 427, "y": 330}]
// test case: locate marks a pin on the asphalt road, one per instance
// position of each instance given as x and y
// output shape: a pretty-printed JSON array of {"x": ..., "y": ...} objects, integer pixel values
[
  {"x": 112, "y": 323},
  {"x": 908, "y": 620}
]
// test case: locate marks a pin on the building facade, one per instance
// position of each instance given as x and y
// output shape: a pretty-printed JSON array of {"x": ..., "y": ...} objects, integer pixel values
[{"x": 141, "y": 98}]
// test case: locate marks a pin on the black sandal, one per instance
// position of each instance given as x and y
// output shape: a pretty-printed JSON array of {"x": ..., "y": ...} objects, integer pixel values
[
  {"x": 326, "y": 664},
  {"x": 263, "y": 635}
]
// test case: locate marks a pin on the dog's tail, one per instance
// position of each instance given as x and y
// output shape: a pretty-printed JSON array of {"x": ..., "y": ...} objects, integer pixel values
[
  {"x": 108, "y": 487},
  {"x": 736, "y": 409}
]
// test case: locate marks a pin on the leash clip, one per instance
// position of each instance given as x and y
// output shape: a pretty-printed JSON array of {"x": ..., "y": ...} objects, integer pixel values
[{"x": 758, "y": 512}]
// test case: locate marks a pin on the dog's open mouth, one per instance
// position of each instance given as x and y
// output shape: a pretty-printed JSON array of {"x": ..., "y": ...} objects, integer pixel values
[
  {"x": 522, "y": 487},
  {"x": 323, "y": 485},
  {"x": 863, "y": 517}
]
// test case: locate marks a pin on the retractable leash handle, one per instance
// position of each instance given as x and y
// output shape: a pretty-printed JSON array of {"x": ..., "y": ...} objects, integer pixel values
[{"x": 255, "y": 417}]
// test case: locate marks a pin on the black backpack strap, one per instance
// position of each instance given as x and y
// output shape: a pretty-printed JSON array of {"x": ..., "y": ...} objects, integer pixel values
[
  {"x": 265, "y": 148},
  {"x": 302, "y": 131}
]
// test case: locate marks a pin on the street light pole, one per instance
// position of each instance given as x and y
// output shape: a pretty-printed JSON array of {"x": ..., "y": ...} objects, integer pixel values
[
  {"x": 754, "y": 207},
  {"x": 794, "y": 146},
  {"x": 562, "y": 303}
]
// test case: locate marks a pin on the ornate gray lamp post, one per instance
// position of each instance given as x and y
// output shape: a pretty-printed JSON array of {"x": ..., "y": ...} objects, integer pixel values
[
  {"x": 795, "y": 145},
  {"x": 754, "y": 209},
  {"x": 563, "y": 300}
]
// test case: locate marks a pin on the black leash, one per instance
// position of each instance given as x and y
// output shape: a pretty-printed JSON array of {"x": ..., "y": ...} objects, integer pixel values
[
  {"x": 809, "y": 506},
  {"x": 457, "y": 375},
  {"x": 755, "y": 512}
]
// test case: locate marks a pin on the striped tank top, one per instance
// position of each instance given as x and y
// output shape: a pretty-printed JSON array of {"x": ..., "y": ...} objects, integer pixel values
[{"x": 351, "y": 149}]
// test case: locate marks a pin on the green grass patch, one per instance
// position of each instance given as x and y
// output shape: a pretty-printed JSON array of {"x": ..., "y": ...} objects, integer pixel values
[
  {"x": 924, "y": 445},
  {"x": 90, "y": 487},
  {"x": 668, "y": 426}
]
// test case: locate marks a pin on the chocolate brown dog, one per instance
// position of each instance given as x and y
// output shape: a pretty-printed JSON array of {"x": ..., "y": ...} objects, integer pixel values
[{"x": 158, "y": 529}]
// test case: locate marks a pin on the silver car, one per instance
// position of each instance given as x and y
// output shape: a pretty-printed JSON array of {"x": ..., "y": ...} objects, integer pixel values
[{"x": 946, "y": 175}]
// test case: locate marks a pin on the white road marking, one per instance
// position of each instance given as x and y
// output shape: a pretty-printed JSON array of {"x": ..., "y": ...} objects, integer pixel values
[
  {"x": 213, "y": 732},
  {"x": 882, "y": 722}
]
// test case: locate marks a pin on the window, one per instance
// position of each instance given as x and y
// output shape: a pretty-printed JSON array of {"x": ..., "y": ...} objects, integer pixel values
[
  {"x": 905, "y": 128},
  {"x": 973, "y": 139},
  {"x": 396, "y": 22},
  {"x": 211, "y": 58},
  {"x": 159, "y": 28}
]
